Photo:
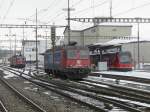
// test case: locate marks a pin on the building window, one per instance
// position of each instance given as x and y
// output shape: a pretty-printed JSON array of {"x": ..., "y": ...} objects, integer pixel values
[
  {"x": 93, "y": 30},
  {"x": 28, "y": 49},
  {"x": 114, "y": 29},
  {"x": 33, "y": 49}
]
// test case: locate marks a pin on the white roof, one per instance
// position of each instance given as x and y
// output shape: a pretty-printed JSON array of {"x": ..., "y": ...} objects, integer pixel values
[
  {"x": 105, "y": 44},
  {"x": 84, "y": 26},
  {"x": 123, "y": 41}
]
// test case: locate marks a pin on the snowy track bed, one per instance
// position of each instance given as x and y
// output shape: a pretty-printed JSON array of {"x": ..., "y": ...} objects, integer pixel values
[
  {"x": 95, "y": 96},
  {"x": 2, "y": 107},
  {"x": 16, "y": 101},
  {"x": 137, "y": 76},
  {"x": 53, "y": 102}
]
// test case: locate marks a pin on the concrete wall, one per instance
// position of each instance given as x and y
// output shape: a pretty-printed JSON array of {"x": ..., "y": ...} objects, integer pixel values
[
  {"x": 114, "y": 31},
  {"x": 144, "y": 51},
  {"x": 75, "y": 36},
  {"x": 97, "y": 34},
  {"x": 30, "y": 49}
]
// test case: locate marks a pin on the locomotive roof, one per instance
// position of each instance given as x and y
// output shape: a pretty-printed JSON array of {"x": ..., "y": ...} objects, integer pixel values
[
  {"x": 67, "y": 47},
  {"x": 17, "y": 56}
]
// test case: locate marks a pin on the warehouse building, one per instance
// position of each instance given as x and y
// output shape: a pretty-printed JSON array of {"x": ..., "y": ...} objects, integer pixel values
[
  {"x": 132, "y": 46},
  {"x": 98, "y": 33},
  {"x": 30, "y": 50}
]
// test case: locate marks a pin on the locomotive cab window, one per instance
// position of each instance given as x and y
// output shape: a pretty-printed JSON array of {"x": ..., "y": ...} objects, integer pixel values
[
  {"x": 84, "y": 54},
  {"x": 125, "y": 57},
  {"x": 71, "y": 54}
]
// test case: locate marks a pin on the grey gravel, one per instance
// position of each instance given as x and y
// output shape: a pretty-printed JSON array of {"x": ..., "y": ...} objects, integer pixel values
[{"x": 48, "y": 100}]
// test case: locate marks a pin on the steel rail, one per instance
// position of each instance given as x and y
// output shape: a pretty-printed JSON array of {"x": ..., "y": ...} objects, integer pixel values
[
  {"x": 127, "y": 90},
  {"x": 27, "y": 100},
  {"x": 100, "y": 98},
  {"x": 121, "y": 77},
  {"x": 2, "y": 107},
  {"x": 58, "y": 91},
  {"x": 124, "y": 106}
]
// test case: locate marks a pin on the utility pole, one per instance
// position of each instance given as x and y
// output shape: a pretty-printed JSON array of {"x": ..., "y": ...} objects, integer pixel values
[
  {"x": 46, "y": 40},
  {"x": 138, "y": 46},
  {"x": 36, "y": 44},
  {"x": 53, "y": 38},
  {"x": 23, "y": 43},
  {"x": 15, "y": 45},
  {"x": 68, "y": 13},
  {"x": 111, "y": 8},
  {"x": 10, "y": 40},
  {"x": 68, "y": 22}
]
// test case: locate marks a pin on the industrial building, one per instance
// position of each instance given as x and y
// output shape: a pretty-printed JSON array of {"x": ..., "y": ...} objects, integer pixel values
[
  {"x": 29, "y": 50},
  {"x": 107, "y": 34},
  {"x": 132, "y": 46},
  {"x": 98, "y": 33},
  {"x": 143, "y": 51}
]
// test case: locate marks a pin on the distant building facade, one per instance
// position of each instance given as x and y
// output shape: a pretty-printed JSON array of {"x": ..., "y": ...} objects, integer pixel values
[
  {"x": 98, "y": 33},
  {"x": 133, "y": 48},
  {"x": 30, "y": 50}
]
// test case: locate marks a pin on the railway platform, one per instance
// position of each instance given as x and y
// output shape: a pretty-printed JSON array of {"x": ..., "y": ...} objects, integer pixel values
[{"x": 141, "y": 76}]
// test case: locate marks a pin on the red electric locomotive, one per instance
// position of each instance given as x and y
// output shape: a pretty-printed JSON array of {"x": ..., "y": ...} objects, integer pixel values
[
  {"x": 17, "y": 61},
  {"x": 118, "y": 60},
  {"x": 71, "y": 62}
]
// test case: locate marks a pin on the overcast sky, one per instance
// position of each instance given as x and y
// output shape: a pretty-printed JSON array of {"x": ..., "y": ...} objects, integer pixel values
[{"x": 51, "y": 11}]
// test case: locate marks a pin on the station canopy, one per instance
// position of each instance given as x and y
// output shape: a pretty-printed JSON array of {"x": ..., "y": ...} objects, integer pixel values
[{"x": 103, "y": 46}]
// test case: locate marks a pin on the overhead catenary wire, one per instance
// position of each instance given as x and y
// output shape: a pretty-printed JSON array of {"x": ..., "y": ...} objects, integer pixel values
[
  {"x": 97, "y": 5},
  {"x": 131, "y": 9},
  {"x": 43, "y": 10},
  {"x": 77, "y": 3},
  {"x": 50, "y": 13},
  {"x": 11, "y": 4},
  {"x": 1, "y": 3},
  {"x": 55, "y": 17},
  {"x": 92, "y": 6},
  {"x": 53, "y": 3}
]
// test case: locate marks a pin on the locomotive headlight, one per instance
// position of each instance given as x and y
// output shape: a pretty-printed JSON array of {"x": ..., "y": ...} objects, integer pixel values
[{"x": 78, "y": 62}]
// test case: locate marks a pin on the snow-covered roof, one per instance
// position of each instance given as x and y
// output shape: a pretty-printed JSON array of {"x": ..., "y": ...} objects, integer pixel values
[
  {"x": 123, "y": 41},
  {"x": 86, "y": 26},
  {"x": 105, "y": 44}
]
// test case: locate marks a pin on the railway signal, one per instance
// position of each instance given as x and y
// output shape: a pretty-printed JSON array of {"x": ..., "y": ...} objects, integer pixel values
[{"x": 53, "y": 37}]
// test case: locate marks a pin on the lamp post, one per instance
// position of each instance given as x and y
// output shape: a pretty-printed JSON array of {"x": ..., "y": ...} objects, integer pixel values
[
  {"x": 46, "y": 40},
  {"x": 36, "y": 45},
  {"x": 30, "y": 64},
  {"x": 138, "y": 41},
  {"x": 23, "y": 43},
  {"x": 15, "y": 44},
  {"x": 10, "y": 44},
  {"x": 7, "y": 35},
  {"x": 138, "y": 47}
]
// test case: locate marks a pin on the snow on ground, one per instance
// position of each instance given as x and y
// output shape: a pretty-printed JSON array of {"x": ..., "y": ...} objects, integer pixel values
[
  {"x": 9, "y": 75},
  {"x": 47, "y": 93},
  {"x": 138, "y": 74}
]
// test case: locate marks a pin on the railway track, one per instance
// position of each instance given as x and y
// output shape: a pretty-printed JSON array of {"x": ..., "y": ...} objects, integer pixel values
[
  {"x": 2, "y": 107},
  {"x": 23, "y": 98},
  {"x": 55, "y": 89},
  {"x": 107, "y": 100},
  {"x": 136, "y": 94},
  {"x": 121, "y": 77}
]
